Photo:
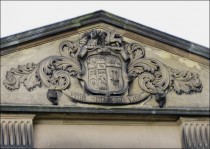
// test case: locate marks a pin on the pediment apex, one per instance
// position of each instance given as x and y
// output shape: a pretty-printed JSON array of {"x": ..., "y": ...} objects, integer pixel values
[{"x": 102, "y": 17}]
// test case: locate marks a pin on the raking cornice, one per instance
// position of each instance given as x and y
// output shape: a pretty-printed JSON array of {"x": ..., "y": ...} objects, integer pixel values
[{"x": 102, "y": 16}]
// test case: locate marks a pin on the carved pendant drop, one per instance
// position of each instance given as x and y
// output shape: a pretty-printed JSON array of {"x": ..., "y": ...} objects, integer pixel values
[{"x": 105, "y": 65}]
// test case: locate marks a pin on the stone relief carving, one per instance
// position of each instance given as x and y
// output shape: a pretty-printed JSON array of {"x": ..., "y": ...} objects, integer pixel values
[
  {"x": 105, "y": 66},
  {"x": 16, "y": 133},
  {"x": 195, "y": 133}
]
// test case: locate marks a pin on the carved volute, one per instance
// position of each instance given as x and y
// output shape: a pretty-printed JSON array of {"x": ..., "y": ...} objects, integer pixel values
[{"x": 104, "y": 64}]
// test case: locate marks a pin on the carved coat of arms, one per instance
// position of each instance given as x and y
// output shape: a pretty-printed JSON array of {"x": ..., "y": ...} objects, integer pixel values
[{"x": 105, "y": 65}]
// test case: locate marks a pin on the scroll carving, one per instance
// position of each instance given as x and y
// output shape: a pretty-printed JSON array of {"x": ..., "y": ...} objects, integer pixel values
[{"x": 104, "y": 64}]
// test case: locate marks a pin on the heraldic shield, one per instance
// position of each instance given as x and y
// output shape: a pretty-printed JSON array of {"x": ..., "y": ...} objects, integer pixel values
[
  {"x": 105, "y": 74},
  {"x": 103, "y": 65}
]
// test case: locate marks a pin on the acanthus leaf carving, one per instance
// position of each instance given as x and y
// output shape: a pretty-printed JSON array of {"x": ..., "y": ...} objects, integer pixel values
[
  {"x": 26, "y": 74},
  {"x": 138, "y": 66},
  {"x": 55, "y": 71},
  {"x": 32, "y": 80},
  {"x": 68, "y": 49},
  {"x": 104, "y": 64},
  {"x": 184, "y": 81}
]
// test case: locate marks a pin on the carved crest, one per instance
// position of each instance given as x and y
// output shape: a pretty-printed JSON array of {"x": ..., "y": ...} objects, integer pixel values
[
  {"x": 104, "y": 64},
  {"x": 104, "y": 74}
]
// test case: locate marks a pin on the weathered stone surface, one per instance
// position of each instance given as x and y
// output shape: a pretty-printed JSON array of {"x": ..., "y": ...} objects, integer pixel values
[
  {"x": 103, "y": 16},
  {"x": 16, "y": 131},
  {"x": 38, "y": 96},
  {"x": 106, "y": 135},
  {"x": 92, "y": 84},
  {"x": 195, "y": 132}
]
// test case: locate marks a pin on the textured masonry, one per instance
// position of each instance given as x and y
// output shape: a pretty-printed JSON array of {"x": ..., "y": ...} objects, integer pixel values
[
  {"x": 16, "y": 131},
  {"x": 195, "y": 133}
]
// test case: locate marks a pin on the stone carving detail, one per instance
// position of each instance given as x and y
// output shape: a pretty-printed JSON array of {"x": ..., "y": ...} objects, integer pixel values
[
  {"x": 16, "y": 133},
  {"x": 104, "y": 64},
  {"x": 195, "y": 134}
]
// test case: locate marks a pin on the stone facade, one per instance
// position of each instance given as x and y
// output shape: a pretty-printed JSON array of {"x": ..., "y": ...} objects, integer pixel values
[{"x": 101, "y": 85}]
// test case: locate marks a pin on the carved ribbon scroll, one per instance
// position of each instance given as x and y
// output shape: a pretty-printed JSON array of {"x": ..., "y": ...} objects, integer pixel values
[{"x": 115, "y": 64}]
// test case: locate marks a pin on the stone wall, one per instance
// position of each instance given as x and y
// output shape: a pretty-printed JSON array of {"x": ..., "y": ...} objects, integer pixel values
[
  {"x": 46, "y": 116},
  {"x": 174, "y": 58}
]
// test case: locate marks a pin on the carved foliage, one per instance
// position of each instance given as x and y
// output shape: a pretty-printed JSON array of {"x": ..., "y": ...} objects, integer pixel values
[
  {"x": 184, "y": 81},
  {"x": 54, "y": 72},
  {"x": 114, "y": 59},
  {"x": 26, "y": 74}
]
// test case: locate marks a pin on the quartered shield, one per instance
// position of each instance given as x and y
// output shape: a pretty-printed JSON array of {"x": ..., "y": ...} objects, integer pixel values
[{"x": 105, "y": 74}]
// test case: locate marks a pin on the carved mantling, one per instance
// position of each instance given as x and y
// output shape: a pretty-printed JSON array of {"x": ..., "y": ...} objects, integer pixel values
[{"x": 105, "y": 65}]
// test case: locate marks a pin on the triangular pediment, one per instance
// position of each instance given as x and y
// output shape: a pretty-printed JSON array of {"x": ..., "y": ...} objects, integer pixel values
[
  {"x": 108, "y": 18},
  {"x": 100, "y": 60}
]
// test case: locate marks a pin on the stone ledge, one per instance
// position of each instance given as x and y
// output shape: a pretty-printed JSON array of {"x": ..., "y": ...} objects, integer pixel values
[{"x": 149, "y": 111}]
